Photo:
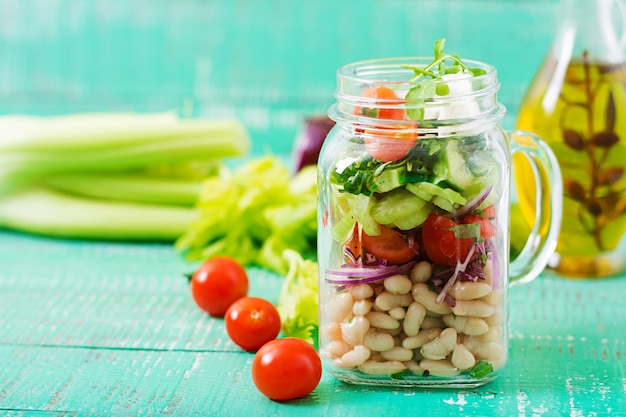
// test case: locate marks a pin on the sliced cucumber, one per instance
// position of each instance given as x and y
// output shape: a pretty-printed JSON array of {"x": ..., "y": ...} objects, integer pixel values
[
  {"x": 389, "y": 180},
  {"x": 453, "y": 167},
  {"x": 445, "y": 198},
  {"x": 397, "y": 205},
  {"x": 415, "y": 219},
  {"x": 442, "y": 203},
  {"x": 360, "y": 207},
  {"x": 342, "y": 230}
]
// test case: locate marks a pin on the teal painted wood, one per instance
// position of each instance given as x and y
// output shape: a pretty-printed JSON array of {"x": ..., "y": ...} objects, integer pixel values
[
  {"x": 110, "y": 328},
  {"x": 224, "y": 57}
]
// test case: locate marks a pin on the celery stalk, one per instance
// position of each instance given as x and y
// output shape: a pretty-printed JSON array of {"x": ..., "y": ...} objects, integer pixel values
[
  {"x": 34, "y": 147},
  {"x": 97, "y": 131},
  {"x": 128, "y": 187},
  {"x": 42, "y": 211}
]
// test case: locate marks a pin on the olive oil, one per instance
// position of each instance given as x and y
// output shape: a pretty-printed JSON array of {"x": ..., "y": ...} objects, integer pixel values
[{"x": 580, "y": 111}]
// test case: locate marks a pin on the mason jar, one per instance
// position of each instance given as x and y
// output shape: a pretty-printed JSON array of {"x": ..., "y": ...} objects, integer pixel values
[{"x": 413, "y": 227}]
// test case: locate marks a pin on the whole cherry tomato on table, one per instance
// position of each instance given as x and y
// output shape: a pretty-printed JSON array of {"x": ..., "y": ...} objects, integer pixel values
[
  {"x": 217, "y": 283},
  {"x": 251, "y": 322},
  {"x": 286, "y": 368}
]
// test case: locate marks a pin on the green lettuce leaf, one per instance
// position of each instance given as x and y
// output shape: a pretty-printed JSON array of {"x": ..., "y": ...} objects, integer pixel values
[
  {"x": 298, "y": 300},
  {"x": 253, "y": 214}
]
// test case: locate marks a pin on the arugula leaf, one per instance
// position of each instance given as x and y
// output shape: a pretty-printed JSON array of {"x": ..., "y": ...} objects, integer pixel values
[
  {"x": 420, "y": 164},
  {"x": 481, "y": 369},
  {"x": 417, "y": 96},
  {"x": 428, "y": 79},
  {"x": 439, "y": 46}
]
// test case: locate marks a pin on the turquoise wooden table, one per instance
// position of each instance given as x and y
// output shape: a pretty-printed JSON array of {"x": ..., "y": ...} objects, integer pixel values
[{"x": 111, "y": 329}]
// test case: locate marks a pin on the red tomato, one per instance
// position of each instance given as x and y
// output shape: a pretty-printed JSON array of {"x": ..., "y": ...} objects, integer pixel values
[
  {"x": 386, "y": 143},
  {"x": 389, "y": 146},
  {"x": 251, "y": 322},
  {"x": 490, "y": 212},
  {"x": 287, "y": 368},
  {"x": 440, "y": 244},
  {"x": 383, "y": 95},
  {"x": 484, "y": 218},
  {"x": 487, "y": 228},
  {"x": 390, "y": 245},
  {"x": 218, "y": 283}
]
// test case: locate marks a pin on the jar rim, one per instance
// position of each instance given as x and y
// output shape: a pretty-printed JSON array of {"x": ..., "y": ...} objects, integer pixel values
[
  {"x": 466, "y": 98},
  {"x": 350, "y": 71}
]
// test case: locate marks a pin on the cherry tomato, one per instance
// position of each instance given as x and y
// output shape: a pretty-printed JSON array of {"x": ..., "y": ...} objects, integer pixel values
[
  {"x": 217, "y": 283},
  {"x": 386, "y": 143},
  {"x": 439, "y": 242},
  {"x": 490, "y": 212},
  {"x": 251, "y": 322},
  {"x": 287, "y": 368},
  {"x": 383, "y": 95},
  {"x": 390, "y": 245},
  {"x": 389, "y": 144},
  {"x": 487, "y": 228},
  {"x": 484, "y": 218}
]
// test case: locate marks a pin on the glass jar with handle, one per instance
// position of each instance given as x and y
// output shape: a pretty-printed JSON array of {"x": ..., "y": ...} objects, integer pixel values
[{"x": 413, "y": 235}]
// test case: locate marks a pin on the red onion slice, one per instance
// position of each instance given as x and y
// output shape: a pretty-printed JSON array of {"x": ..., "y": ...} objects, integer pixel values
[
  {"x": 354, "y": 274},
  {"x": 473, "y": 203}
]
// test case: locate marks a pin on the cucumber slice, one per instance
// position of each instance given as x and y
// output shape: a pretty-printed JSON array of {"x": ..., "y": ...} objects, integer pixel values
[
  {"x": 415, "y": 219},
  {"x": 342, "y": 230},
  {"x": 442, "y": 203},
  {"x": 397, "y": 205},
  {"x": 445, "y": 198},
  {"x": 453, "y": 167},
  {"x": 389, "y": 179},
  {"x": 419, "y": 191},
  {"x": 360, "y": 206}
]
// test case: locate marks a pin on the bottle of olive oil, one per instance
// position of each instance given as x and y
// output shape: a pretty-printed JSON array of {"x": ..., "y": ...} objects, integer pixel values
[{"x": 577, "y": 104}]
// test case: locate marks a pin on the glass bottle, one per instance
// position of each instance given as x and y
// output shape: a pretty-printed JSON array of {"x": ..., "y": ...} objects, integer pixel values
[
  {"x": 577, "y": 104},
  {"x": 413, "y": 236}
]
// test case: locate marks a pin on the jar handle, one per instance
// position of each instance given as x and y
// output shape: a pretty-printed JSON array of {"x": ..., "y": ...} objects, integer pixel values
[{"x": 542, "y": 240}]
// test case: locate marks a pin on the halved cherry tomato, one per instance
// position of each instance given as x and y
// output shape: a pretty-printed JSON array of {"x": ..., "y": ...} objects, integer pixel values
[
  {"x": 390, "y": 245},
  {"x": 381, "y": 94},
  {"x": 386, "y": 143},
  {"x": 440, "y": 244},
  {"x": 490, "y": 212},
  {"x": 485, "y": 220},
  {"x": 389, "y": 144},
  {"x": 487, "y": 228}
]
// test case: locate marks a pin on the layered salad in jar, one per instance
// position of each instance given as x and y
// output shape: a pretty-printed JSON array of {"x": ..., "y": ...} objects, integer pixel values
[{"x": 413, "y": 286}]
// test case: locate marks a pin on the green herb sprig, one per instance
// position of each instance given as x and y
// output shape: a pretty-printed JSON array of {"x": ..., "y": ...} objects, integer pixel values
[{"x": 427, "y": 77}]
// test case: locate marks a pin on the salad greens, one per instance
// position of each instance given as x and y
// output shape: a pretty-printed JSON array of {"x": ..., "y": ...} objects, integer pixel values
[
  {"x": 298, "y": 300},
  {"x": 253, "y": 214},
  {"x": 433, "y": 200},
  {"x": 430, "y": 82}
]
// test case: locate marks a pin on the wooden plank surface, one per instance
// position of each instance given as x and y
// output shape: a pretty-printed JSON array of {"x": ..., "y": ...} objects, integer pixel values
[{"x": 110, "y": 328}]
